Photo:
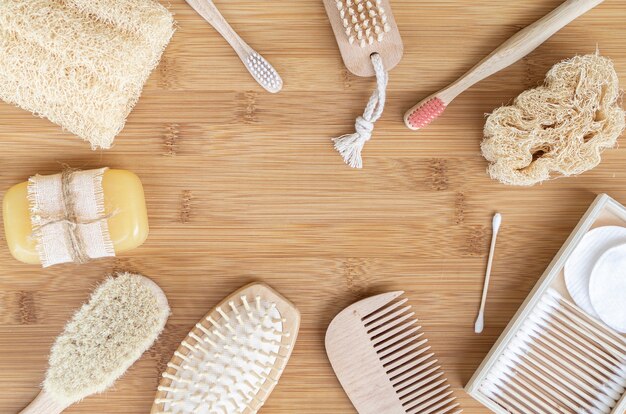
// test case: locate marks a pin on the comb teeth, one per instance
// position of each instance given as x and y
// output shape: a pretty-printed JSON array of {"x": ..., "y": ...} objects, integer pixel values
[
  {"x": 264, "y": 73},
  {"x": 227, "y": 360},
  {"x": 418, "y": 381},
  {"x": 364, "y": 21}
]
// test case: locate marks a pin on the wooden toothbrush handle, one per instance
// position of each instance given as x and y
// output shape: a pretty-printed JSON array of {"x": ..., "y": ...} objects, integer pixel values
[
  {"x": 43, "y": 404},
  {"x": 520, "y": 45},
  {"x": 210, "y": 13}
]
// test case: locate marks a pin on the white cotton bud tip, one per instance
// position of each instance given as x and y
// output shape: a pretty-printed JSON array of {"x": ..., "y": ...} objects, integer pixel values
[{"x": 497, "y": 221}]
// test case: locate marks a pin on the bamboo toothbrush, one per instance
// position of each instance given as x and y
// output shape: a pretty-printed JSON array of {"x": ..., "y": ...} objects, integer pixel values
[
  {"x": 233, "y": 358},
  {"x": 383, "y": 362},
  {"x": 105, "y": 337},
  {"x": 260, "y": 69},
  {"x": 479, "y": 325},
  {"x": 511, "y": 51}
]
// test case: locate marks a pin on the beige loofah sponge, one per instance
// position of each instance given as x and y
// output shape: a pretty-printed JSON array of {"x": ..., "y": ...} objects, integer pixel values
[
  {"x": 105, "y": 337},
  {"x": 558, "y": 129},
  {"x": 80, "y": 63}
]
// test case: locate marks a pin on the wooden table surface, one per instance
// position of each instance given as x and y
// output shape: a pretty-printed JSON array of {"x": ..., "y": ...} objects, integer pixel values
[{"x": 243, "y": 185}]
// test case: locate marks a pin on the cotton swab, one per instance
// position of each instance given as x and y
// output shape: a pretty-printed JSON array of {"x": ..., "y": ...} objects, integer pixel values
[{"x": 480, "y": 321}]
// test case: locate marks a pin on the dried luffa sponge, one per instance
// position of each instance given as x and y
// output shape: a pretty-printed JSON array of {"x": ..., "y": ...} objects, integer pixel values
[
  {"x": 558, "y": 129},
  {"x": 80, "y": 63}
]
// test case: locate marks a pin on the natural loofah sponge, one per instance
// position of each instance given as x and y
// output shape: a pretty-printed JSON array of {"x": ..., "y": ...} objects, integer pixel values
[
  {"x": 558, "y": 129},
  {"x": 107, "y": 335},
  {"x": 80, "y": 63}
]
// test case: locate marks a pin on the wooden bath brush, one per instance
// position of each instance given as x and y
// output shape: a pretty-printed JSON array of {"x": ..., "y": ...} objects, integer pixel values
[
  {"x": 233, "y": 358},
  {"x": 383, "y": 362},
  {"x": 370, "y": 45},
  {"x": 105, "y": 337}
]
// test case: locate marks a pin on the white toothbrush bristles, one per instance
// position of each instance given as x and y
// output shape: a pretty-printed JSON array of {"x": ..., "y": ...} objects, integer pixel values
[
  {"x": 264, "y": 73},
  {"x": 480, "y": 320}
]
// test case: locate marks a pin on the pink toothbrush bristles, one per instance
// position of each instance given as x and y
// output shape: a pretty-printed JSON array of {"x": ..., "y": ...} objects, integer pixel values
[{"x": 426, "y": 113}]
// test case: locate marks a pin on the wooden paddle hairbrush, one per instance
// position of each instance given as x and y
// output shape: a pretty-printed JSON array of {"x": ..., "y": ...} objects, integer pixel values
[
  {"x": 232, "y": 360},
  {"x": 382, "y": 361},
  {"x": 370, "y": 45}
]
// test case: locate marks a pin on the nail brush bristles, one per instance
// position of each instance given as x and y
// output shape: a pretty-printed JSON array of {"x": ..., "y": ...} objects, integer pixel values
[
  {"x": 226, "y": 363},
  {"x": 417, "y": 379},
  {"x": 561, "y": 361},
  {"x": 364, "y": 21}
]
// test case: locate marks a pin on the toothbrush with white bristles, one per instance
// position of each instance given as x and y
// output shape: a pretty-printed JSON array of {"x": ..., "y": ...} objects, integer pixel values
[
  {"x": 260, "y": 69},
  {"x": 480, "y": 321},
  {"x": 511, "y": 51}
]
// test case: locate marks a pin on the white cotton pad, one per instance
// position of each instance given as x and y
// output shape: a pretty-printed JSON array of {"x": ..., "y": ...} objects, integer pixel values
[
  {"x": 607, "y": 288},
  {"x": 580, "y": 264}
]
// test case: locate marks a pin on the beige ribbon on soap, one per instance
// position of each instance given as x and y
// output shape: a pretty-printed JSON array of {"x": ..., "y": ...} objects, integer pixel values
[{"x": 70, "y": 219}]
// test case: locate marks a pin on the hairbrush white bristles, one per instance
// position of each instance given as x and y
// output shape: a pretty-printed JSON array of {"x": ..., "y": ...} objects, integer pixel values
[
  {"x": 370, "y": 45},
  {"x": 383, "y": 362},
  {"x": 231, "y": 361},
  {"x": 257, "y": 65},
  {"x": 560, "y": 361},
  {"x": 122, "y": 319},
  {"x": 511, "y": 51}
]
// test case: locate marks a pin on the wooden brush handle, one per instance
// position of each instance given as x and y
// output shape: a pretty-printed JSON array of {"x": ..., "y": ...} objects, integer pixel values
[
  {"x": 43, "y": 404},
  {"x": 210, "y": 13},
  {"x": 520, "y": 45}
]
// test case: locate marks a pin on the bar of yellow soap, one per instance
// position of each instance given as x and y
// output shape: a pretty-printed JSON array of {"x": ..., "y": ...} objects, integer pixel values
[{"x": 123, "y": 199}]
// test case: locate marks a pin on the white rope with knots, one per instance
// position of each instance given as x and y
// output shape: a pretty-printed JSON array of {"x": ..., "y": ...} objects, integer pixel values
[{"x": 351, "y": 145}]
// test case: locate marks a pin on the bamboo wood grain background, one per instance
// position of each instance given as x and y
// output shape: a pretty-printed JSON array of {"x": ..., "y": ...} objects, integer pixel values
[{"x": 242, "y": 185}]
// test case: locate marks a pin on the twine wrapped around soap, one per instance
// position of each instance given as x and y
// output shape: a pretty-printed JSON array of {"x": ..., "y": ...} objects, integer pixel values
[{"x": 68, "y": 217}]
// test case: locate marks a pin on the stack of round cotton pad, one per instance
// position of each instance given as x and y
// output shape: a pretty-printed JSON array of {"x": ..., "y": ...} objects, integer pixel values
[
  {"x": 559, "y": 128},
  {"x": 80, "y": 63},
  {"x": 594, "y": 277},
  {"x": 607, "y": 288}
]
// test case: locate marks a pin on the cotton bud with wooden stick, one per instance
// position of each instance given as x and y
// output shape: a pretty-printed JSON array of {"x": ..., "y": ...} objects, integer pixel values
[{"x": 370, "y": 45}]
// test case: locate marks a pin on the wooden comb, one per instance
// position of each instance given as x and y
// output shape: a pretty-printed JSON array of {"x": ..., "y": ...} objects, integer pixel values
[
  {"x": 233, "y": 358},
  {"x": 362, "y": 28},
  {"x": 382, "y": 361}
]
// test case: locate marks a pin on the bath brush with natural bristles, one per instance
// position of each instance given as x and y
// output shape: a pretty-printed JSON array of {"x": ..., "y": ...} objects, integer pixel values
[
  {"x": 232, "y": 359},
  {"x": 122, "y": 319},
  {"x": 383, "y": 362},
  {"x": 260, "y": 69},
  {"x": 370, "y": 45},
  {"x": 511, "y": 51}
]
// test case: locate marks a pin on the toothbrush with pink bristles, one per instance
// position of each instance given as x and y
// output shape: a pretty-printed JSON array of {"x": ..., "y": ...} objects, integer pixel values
[{"x": 511, "y": 51}]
